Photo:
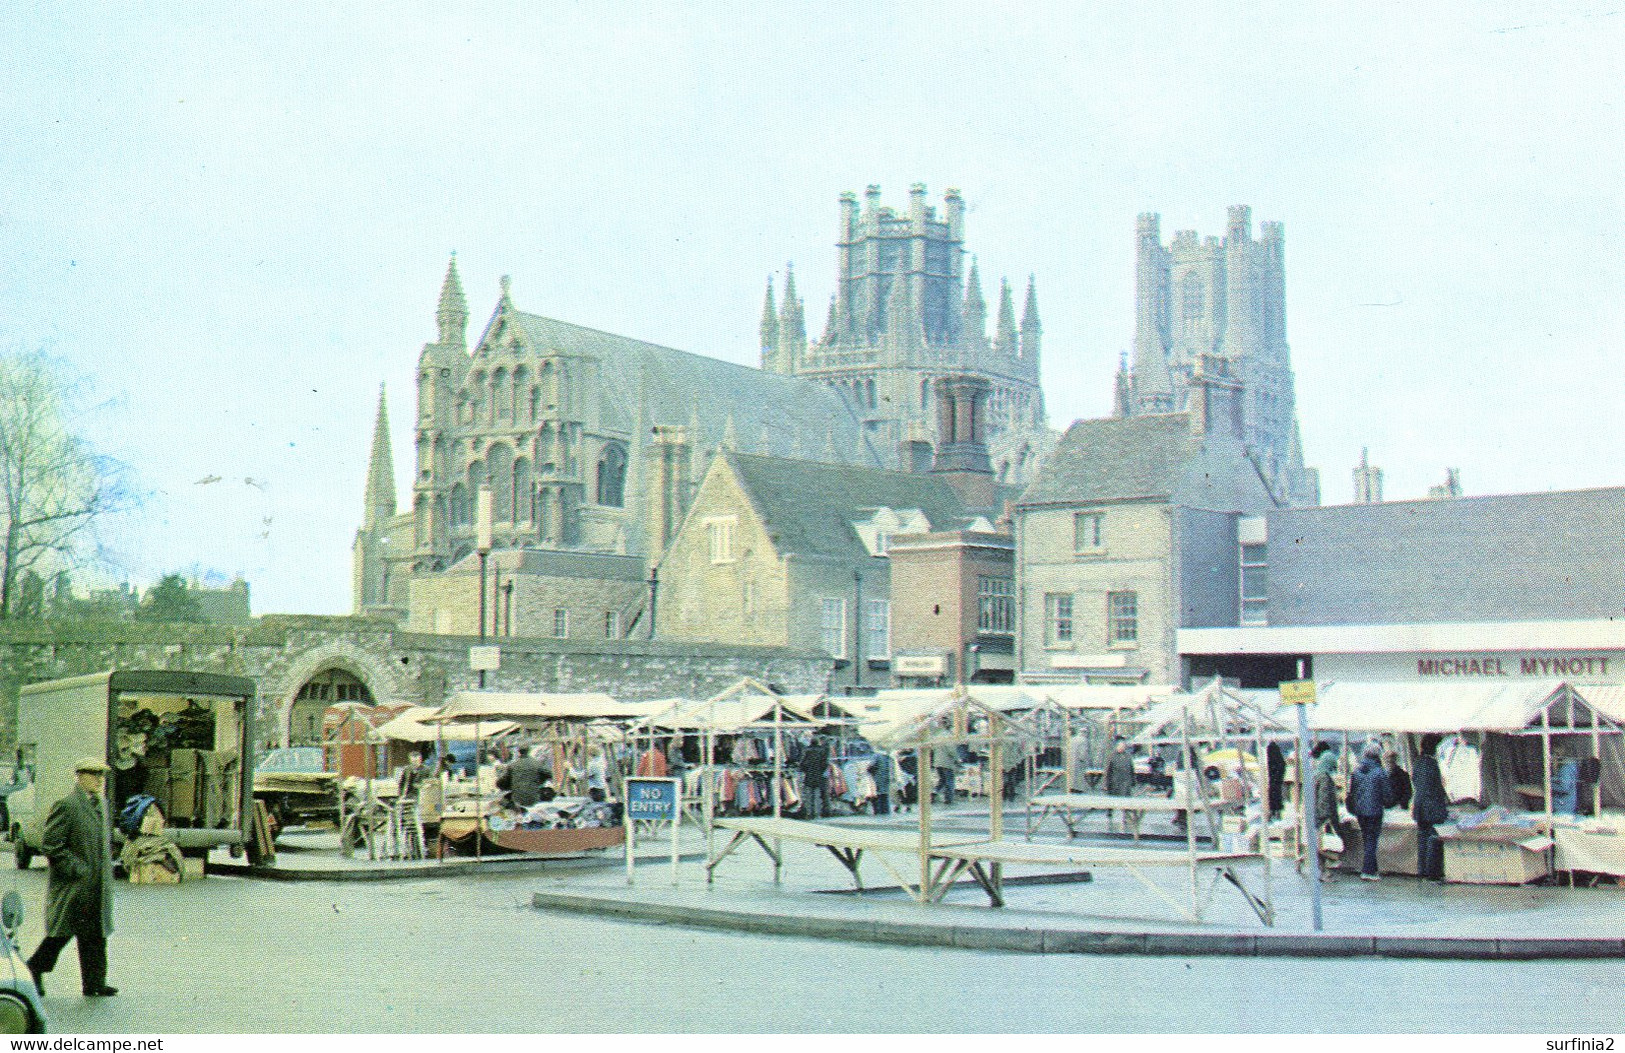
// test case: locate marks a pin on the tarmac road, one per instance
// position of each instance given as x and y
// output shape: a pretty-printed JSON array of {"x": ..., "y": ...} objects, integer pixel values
[{"x": 470, "y": 955}]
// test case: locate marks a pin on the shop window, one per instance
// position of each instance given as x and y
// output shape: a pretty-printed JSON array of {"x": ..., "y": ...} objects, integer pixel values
[{"x": 1122, "y": 619}]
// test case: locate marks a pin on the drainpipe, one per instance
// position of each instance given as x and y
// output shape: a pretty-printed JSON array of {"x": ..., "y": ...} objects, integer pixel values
[{"x": 857, "y": 629}]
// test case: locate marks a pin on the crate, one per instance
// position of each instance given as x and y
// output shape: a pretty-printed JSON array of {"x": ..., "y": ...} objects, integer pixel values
[{"x": 1472, "y": 862}]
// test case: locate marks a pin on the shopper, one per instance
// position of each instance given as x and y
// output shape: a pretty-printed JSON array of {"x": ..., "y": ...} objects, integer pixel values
[
  {"x": 1369, "y": 794},
  {"x": 597, "y": 777},
  {"x": 1275, "y": 768},
  {"x": 880, "y": 769},
  {"x": 814, "y": 778},
  {"x": 79, "y": 890},
  {"x": 1327, "y": 820},
  {"x": 1120, "y": 778},
  {"x": 1399, "y": 781},
  {"x": 525, "y": 778},
  {"x": 1429, "y": 807},
  {"x": 432, "y": 803}
]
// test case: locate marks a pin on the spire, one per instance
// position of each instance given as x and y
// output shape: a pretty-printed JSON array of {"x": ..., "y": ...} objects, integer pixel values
[
  {"x": 1004, "y": 340},
  {"x": 792, "y": 322},
  {"x": 975, "y": 306},
  {"x": 380, "y": 471},
  {"x": 1032, "y": 330},
  {"x": 505, "y": 303},
  {"x": 831, "y": 324},
  {"x": 452, "y": 314},
  {"x": 770, "y": 328},
  {"x": 1120, "y": 396}
]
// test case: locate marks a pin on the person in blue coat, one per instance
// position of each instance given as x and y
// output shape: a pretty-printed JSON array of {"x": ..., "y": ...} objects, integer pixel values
[{"x": 1369, "y": 794}]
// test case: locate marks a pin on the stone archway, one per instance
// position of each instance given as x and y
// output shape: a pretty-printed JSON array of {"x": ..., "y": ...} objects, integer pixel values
[{"x": 372, "y": 671}]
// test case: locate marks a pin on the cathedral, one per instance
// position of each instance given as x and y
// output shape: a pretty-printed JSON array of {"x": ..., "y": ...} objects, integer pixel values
[
  {"x": 1222, "y": 302},
  {"x": 593, "y": 444},
  {"x": 904, "y": 314}
]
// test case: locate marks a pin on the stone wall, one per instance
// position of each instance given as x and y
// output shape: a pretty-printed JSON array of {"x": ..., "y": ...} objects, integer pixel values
[{"x": 282, "y": 652}]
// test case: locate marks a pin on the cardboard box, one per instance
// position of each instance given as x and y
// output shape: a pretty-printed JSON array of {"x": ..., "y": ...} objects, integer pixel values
[
  {"x": 193, "y": 868},
  {"x": 185, "y": 775},
  {"x": 1473, "y": 862}
]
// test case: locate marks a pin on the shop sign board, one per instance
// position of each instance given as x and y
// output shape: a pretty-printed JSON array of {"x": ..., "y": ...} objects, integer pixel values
[
  {"x": 1298, "y": 693},
  {"x": 652, "y": 800}
]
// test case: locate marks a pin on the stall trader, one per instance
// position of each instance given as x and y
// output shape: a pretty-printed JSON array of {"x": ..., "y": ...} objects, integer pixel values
[{"x": 79, "y": 890}]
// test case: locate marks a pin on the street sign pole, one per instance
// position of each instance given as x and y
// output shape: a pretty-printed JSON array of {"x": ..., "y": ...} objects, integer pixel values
[{"x": 1301, "y": 694}]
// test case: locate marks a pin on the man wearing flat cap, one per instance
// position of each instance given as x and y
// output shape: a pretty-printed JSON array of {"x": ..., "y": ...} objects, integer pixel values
[{"x": 79, "y": 891}]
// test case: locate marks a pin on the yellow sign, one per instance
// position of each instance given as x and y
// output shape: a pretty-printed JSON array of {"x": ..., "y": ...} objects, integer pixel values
[{"x": 1298, "y": 693}]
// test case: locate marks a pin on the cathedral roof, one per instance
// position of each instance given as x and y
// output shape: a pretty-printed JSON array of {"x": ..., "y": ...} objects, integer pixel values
[
  {"x": 809, "y": 508},
  {"x": 771, "y": 413},
  {"x": 1155, "y": 457}
]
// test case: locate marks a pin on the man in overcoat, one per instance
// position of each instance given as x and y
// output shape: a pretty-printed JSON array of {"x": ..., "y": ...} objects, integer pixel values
[{"x": 79, "y": 891}]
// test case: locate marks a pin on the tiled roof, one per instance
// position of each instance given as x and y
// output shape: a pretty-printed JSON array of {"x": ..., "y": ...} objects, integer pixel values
[
  {"x": 809, "y": 508},
  {"x": 771, "y": 413},
  {"x": 1150, "y": 457}
]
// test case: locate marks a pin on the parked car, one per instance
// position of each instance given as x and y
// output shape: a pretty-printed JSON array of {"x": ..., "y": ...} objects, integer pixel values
[
  {"x": 296, "y": 787},
  {"x": 22, "y": 1012}
]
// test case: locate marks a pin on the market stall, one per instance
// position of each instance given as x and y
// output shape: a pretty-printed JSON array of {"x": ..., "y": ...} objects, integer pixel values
[
  {"x": 1536, "y": 742},
  {"x": 570, "y": 728}
]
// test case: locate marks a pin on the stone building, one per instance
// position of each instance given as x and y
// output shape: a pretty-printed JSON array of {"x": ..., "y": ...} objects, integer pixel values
[
  {"x": 785, "y": 553},
  {"x": 592, "y": 445},
  {"x": 1202, "y": 297},
  {"x": 906, "y": 313},
  {"x": 1130, "y": 532}
]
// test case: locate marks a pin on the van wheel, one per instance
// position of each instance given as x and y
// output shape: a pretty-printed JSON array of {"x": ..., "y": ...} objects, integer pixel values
[{"x": 20, "y": 852}]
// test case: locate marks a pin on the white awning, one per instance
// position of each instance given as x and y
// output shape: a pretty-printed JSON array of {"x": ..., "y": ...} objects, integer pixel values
[
  {"x": 414, "y": 726},
  {"x": 466, "y": 706},
  {"x": 1424, "y": 707}
]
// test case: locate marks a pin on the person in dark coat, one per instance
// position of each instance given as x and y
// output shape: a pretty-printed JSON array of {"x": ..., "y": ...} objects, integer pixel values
[
  {"x": 1324, "y": 796},
  {"x": 1120, "y": 777},
  {"x": 525, "y": 778},
  {"x": 1369, "y": 794},
  {"x": 1275, "y": 768},
  {"x": 814, "y": 779},
  {"x": 79, "y": 890},
  {"x": 1430, "y": 806},
  {"x": 880, "y": 769},
  {"x": 1399, "y": 781}
]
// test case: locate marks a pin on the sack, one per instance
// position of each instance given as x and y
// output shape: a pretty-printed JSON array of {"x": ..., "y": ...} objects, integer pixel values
[{"x": 1331, "y": 843}]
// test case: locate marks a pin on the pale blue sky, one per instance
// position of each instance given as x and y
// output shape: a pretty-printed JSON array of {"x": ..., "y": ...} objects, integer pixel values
[{"x": 237, "y": 224}]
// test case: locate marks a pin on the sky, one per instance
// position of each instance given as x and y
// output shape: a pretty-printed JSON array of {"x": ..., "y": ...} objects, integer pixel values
[{"x": 233, "y": 222}]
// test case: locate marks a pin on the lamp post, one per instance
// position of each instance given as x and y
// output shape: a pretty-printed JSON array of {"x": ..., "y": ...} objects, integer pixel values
[
  {"x": 654, "y": 595},
  {"x": 857, "y": 629},
  {"x": 482, "y": 545}
]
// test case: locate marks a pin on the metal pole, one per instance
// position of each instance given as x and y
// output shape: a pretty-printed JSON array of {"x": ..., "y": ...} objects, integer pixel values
[
  {"x": 857, "y": 629},
  {"x": 483, "y": 556},
  {"x": 1306, "y": 807},
  {"x": 654, "y": 594}
]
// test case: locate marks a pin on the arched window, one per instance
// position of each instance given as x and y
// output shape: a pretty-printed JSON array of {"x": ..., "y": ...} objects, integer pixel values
[
  {"x": 612, "y": 476},
  {"x": 500, "y": 462},
  {"x": 522, "y": 508},
  {"x": 500, "y": 406},
  {"x": 461, "y": 514},
  {"x": 516, "y": 393}
]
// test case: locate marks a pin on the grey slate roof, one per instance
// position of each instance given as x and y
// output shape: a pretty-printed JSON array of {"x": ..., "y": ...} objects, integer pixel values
[
  {"x": 1518, "y": 557},
  {"x": 809, "y": 508},
  {"x": 1151, "y": 457},
  {"x": 795, "y": 417}
]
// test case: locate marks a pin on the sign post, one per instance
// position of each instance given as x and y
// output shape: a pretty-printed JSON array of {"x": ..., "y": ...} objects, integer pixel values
[
  {"x": 1301, "y": 694},
  {"x": 652, "y": 800}
]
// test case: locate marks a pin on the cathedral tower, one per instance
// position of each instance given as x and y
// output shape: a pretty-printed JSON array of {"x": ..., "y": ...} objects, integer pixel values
[
  {"x": 904, "y": 314},
  {"x": 1197, "y": 297}
]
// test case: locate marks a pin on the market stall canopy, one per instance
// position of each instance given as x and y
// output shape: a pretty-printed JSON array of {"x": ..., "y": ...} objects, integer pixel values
[
  {"x": 469, "y": 706},
  {"x": 1239, "y": 711},
  {"x": 930, "y": 716},
  {"x": 1443, "y": 708},
  {"x": 733, "y": 713},
  {"x": 1108, "y": 696},
  {"x": 413, "y": 726},
  {"x": 1607, "y": 699}
]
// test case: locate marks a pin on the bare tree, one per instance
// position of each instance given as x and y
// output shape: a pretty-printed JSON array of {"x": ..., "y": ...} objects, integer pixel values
[{"x": 53, "y": 486}]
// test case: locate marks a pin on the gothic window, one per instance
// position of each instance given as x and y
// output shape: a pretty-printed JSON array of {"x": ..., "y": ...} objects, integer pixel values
[
  {"x": 500, "y": 460},
  {"x": 535, "y": 404},
  {"x": 523, "y": 510},
  {"x": 550, "y": 389},
  {"x": 461, "y": 513},
  {"x": 1192, "y": 300},
  {"x": 612, "y": 476},
  {"x": 516, "y": 392},
  {"x": 500, "y": 407},
  {"x": 925, "y": 394}
]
